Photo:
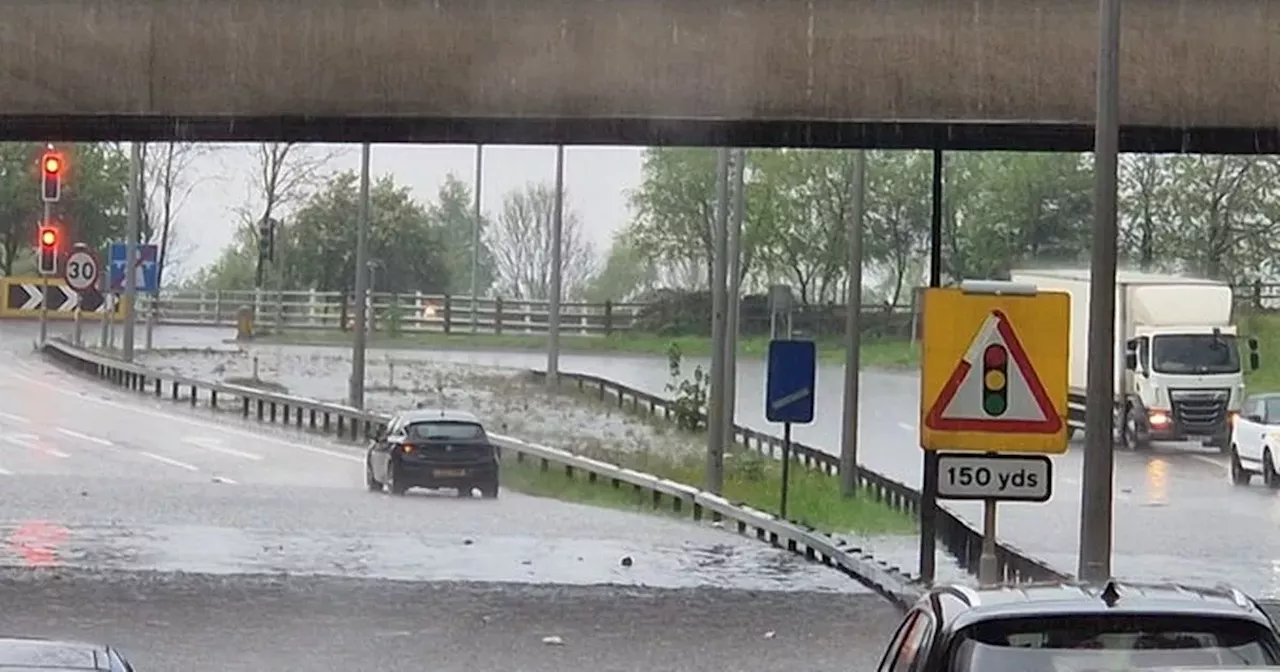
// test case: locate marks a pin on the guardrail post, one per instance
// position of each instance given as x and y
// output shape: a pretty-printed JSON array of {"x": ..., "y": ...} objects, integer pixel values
[
  {"x": 497, "y": 315},
  {"x": 448, "y": 314},
  {"x": 608, "y": 318}
]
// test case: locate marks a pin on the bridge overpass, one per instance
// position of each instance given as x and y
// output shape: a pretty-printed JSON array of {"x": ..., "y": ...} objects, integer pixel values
[{"x": 1196, "y": 74}]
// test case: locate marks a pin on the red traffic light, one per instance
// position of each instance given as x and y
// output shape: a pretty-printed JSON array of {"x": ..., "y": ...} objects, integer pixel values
[
  {"x": 48, "y": 237},
  {"x": 52, "y": 164}
]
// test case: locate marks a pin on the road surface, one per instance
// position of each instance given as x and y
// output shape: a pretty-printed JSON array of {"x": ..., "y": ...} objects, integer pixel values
[
  {"x": 206, "y": 624},
  {"x": 1176, "y": 514},
  {"x": 196, "y": 542}
]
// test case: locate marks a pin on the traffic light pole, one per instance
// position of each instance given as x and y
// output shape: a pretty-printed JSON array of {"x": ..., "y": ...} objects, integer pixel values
[{"x": 44, "y": 280}]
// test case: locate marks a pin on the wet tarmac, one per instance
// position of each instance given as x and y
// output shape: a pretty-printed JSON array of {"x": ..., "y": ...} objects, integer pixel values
[
  {"x": 204, "y": 623},
  {"x": 1176, "y": 514},
  {"x": 96, "y": 477}
]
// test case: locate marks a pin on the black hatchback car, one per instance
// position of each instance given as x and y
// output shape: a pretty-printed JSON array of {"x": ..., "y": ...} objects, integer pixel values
[
  {"x": 1073, "y": 627},
  {"x": 433, "y": 448}
]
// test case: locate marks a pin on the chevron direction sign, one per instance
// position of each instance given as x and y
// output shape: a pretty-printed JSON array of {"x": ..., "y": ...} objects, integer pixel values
[{"x": 23, "y": 297}]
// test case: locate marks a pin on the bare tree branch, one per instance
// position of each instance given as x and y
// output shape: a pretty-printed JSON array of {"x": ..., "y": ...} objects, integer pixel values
[
  {"x": 283, "y": 174},
  {"x": 521, "y": 242},
  {"x": 167, "y": 186}
]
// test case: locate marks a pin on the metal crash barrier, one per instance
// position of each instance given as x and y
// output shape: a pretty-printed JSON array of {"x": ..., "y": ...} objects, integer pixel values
[
  {"x": 353, "y": 424},
  {"x": 957, "y": 536}
]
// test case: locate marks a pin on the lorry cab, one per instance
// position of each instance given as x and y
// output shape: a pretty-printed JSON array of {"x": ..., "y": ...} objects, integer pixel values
[{"x": 1189, "y": 380}]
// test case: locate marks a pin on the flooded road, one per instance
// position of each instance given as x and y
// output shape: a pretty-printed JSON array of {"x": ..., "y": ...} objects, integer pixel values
[
  {"x": 96, "y": 477},
  {"x": 207, "y": 623},
  {"x": 1162, "y": 497}
]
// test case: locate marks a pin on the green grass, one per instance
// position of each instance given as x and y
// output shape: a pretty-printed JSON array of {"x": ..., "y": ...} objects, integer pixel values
[
  {"x": 813, "y": 498},
  {"x": 1265, "y": 328},
  {"x": 876, "y": 353}
]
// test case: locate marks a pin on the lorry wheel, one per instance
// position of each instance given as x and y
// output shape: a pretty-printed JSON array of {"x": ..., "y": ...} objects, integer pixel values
[{"x": 1133, "y": 438}]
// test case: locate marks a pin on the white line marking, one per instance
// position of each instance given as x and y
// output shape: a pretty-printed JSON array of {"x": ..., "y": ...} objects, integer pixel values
[
  {"x": 223, "y": 479},
  {"x": 29, "y": 441},
  {"x": 84, "y": 437},
  {"x": 213, "y": 444},
  {"x": 170, "y": 461},
  {"x": 909, "y": 428},
  {"x": 5, "y": 472},
  {"x": 1208, "y": 460},
  {"x": 15, "y": 418},
  {"x": 234, "y": 431}
]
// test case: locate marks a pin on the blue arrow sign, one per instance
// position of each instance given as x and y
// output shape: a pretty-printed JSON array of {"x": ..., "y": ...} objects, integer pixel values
[
  {"x": 147, "y": 270},
  {"x": 793, "y": 375}
]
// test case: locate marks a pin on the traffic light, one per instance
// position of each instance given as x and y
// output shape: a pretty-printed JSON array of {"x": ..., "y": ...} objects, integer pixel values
[
  {"x": 267, "y": 240},
  {"x": 51, "y": 165},
  {"x": 47, "y": 253},
  {"x": 995, "y": 380}
]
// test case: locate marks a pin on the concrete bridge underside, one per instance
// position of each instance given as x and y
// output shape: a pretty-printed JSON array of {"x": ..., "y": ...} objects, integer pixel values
[{"x": 832, "y": 72}]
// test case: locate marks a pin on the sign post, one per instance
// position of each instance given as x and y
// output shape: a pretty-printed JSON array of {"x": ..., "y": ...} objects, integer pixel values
[
  {"x": 81, "y": 273},
  {"x": 792, "y": 379},
  {"x": 993, "y": 392}
]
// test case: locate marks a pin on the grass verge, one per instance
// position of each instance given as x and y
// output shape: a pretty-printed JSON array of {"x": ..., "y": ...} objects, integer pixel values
[
  {"x": 813, "y": 498},
  {"x": 877, "y": 353},
  {"x": 1265, "y": 328}
]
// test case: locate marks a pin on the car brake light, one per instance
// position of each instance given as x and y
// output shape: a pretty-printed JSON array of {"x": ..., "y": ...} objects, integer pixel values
[{"x": 406, "y": 448}]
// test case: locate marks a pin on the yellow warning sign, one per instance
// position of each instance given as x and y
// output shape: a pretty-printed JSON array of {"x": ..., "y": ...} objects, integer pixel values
[{"x": 994, "y": 373}]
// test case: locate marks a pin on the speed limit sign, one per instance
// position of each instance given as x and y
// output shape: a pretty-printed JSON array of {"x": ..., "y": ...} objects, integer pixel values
[{"x": 81, "y": 272}]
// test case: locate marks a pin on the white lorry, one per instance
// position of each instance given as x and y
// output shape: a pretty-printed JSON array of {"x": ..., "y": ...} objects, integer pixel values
[{"x": 1178, "y": 366}]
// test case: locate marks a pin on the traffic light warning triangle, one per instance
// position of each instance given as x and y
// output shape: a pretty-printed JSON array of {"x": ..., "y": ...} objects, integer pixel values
[{"x": 959, "y": 407}]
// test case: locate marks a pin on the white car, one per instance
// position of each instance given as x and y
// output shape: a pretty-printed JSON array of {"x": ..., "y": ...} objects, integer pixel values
[{"x": 1255, "y": 440}]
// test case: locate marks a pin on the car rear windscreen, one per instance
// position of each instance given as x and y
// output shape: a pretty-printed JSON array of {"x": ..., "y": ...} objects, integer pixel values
[
  {"x": 445, "y": 431},
  {"x": 1110, "y": 643}
]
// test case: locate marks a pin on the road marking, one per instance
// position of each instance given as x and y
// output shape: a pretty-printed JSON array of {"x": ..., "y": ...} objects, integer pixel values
[
  {"x": 909, "y": 428},
  {"x": 84, "y": 437},
  {"x": 15, "y": 418},
  {"x": 234, "y": 431},
  {"x": 5, "y": 472},
  {"x": 1208, "y": 460},
  {"x": 223, "y": 479},
  {"x": 215, "y": 444},
  {"x": 29, "y": 441},
  {"x": 169, "y": 461}
]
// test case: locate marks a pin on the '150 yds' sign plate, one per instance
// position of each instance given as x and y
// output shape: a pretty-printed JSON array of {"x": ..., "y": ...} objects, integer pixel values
[{"x": 1002, "y": 477}]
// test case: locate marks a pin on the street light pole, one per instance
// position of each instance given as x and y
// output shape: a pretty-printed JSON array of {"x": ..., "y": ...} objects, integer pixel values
[
  {"x": 719, "y": 328},
  {"x": 475, "y": 240},
  {"x": 853, "y": 331},
  {"x": 355, "y": 390},
  {"x": 131, "y": 249},
  {"x": 557, "y": 251},
  {"x": 1098, "y": 469}
]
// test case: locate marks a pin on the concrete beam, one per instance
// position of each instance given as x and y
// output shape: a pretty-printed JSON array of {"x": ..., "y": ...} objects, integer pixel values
[{"x": 1186, "y": 63}]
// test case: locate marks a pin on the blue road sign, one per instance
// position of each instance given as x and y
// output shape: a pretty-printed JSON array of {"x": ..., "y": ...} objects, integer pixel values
[
  {"x": 147, "y": 270},
  {"x": 793, "y": 376}
]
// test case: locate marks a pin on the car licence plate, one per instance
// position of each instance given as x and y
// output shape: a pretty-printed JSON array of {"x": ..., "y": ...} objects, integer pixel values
[{"x": 449, "y": 473}]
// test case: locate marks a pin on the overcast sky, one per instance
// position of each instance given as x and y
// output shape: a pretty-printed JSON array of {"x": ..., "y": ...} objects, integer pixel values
[{"x": 597, "y": 180}]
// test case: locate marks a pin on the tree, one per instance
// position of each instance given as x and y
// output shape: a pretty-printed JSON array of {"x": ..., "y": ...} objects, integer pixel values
[
  {"x": 452, "y": 213},
  {"x": 625, "y": 274},
  {"x": 284, "y": 173},
  {"x": 522, "y": 246},
  {"x": 167, "y": 185},
  {"x": 403, "y": 240},
  {"x": 897, "y": 216},
  {"x": 94, "y": 204}
]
